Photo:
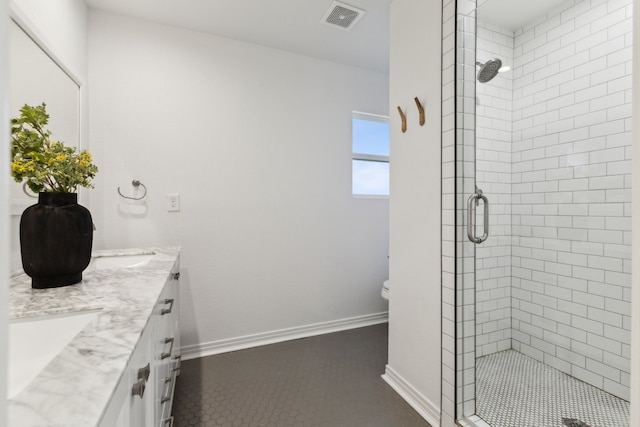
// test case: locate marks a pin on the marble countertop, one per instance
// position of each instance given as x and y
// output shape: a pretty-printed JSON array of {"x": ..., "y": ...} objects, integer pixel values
[{"x": 75, "y": 388}]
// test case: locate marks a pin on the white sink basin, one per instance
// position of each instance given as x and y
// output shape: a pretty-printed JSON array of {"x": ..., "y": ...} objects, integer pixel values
[
  {"x": 35, "y": 341},
  {"x": 105, "y": 262}
]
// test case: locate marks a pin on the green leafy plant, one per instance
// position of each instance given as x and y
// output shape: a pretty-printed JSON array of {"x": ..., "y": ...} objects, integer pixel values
[{"x": 46, "y": 165}]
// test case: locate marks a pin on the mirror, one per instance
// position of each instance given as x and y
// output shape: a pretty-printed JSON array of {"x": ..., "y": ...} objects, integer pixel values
[{"x": 36, "y": 77}]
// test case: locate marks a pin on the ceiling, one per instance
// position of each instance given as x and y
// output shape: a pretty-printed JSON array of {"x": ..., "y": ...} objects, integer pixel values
[
  {"x": 292, "y": 25},
  {"x": 515, "y": 14}
]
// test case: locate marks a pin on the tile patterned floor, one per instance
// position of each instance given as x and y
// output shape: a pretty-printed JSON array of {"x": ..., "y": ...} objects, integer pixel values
[
  {"x": 329, "y": 380},
  {"x": 514, "y": 390}
]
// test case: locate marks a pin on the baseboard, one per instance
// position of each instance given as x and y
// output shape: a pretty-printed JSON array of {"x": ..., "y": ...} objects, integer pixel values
[
  {"x": 422, "y": 405},
  {"x": 255, "y": 340}
]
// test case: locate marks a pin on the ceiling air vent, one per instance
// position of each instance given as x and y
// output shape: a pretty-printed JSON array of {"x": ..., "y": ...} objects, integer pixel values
[{"x": 342, "y": 15}]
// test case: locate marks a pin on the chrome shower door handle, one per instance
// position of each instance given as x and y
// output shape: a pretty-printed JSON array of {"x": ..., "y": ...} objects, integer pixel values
[{"x": 470, "y": 216}]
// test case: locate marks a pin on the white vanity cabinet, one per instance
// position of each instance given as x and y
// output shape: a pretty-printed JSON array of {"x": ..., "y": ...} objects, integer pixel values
[
  {"x": 144, "y": 395},
  {"x": 135, "y": 390},
  {"x": 120, "y": 369}
]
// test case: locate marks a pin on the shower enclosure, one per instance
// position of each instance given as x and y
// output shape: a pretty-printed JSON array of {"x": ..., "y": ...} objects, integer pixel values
[{"x": 543, "y": 212}]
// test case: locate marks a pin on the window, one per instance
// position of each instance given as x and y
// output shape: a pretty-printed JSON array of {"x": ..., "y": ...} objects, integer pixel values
[{"x": 370, "y": 160}]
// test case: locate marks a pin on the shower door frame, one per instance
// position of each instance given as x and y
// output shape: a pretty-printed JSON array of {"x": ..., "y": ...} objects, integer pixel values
[
  {"x": 458, "y": 180},
  {"x": 459, "y": 253},
  {"x": 465, "y": 179}
]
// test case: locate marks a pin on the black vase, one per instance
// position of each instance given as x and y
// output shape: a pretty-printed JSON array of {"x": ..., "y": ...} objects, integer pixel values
[{"x": 55, "y": 240}]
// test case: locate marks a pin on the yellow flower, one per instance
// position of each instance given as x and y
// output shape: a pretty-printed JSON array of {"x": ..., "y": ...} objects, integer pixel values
[
  {"x": 46, "y": 165},
  {"x": 18, "y": 166}
]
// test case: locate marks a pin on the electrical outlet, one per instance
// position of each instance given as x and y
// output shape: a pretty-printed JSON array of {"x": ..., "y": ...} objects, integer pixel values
[{"x": 173, "y": 202}]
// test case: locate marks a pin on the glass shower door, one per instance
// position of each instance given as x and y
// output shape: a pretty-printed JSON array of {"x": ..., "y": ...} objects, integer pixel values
[{"x": 545, "y": 298}]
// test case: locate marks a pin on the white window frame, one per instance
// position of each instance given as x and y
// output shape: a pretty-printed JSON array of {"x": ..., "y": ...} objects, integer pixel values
[{"x": 368, "y": 157}]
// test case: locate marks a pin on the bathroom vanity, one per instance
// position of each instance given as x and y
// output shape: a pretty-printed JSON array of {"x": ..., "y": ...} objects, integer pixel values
[{"x": 103, "y": 352}]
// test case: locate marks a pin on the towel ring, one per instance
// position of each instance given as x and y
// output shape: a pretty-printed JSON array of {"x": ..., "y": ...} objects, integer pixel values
[
  {"x": 24, "y": 190},
  {"x": 135, "y": 183}
]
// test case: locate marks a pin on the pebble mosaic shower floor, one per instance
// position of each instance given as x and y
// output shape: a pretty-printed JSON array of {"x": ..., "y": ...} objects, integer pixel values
[{"x": 514, "y": 390}]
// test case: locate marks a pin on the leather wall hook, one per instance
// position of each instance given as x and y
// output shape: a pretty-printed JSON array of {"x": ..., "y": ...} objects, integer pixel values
[
  {"x": 404, "y": 119},
  {"x": 420, "y": 110}
]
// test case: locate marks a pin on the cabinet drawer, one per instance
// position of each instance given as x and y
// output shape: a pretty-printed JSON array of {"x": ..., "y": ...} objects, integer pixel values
[{"x": 135, "y": 392}]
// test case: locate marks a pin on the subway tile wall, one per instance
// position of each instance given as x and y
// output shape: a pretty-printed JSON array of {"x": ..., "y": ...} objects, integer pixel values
[
  {"x": 570, "y": 194},
  {"x": 448, "y": 348},
  {"x": 494, "y": 118},
  {"x": 571, "y": 191}
]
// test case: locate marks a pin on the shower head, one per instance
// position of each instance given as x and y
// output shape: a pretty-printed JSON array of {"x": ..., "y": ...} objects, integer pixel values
[{"x": 488, "y": 70}]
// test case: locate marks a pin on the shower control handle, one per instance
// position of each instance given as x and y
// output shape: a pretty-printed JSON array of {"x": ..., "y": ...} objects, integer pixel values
[{"x": 471, "y": 215}]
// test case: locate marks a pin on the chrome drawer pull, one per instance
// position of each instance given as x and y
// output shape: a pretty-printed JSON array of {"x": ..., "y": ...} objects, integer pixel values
[
  {"x": 178, "y": 359},
  {"x": 138, "y": 388},
  {"x": 168, "y": 354},
  {"x": 143, "y": 373},
  {"x": 167, "y": 310},
  {"x": 166, "y": 398}
]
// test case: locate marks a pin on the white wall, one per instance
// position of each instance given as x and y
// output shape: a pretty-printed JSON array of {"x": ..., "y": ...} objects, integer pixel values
[
  {"x": 415, "y": 278},
  {"x": 63, "y": 26},
  {"x": 257, "y": 143}
]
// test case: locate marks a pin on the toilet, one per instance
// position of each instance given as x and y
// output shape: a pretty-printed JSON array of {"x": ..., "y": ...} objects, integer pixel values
[{"x": 385, "y": 289}]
